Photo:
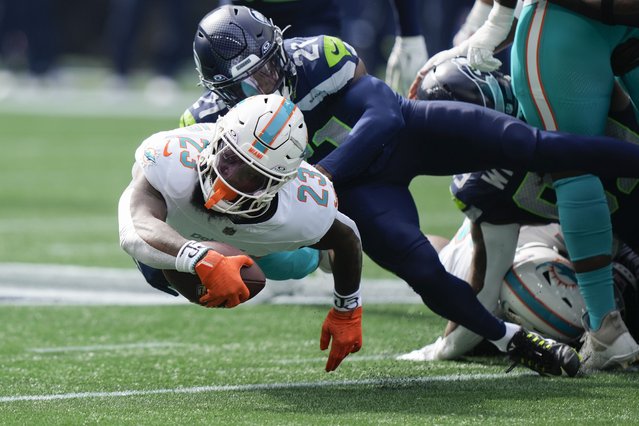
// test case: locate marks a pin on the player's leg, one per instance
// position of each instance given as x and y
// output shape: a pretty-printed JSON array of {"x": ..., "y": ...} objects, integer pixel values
[
  {"x": 387, "y": 219},
  {"x": 551, "y": 48},
  {"x": 563, "y": 81},
  {"x": 289, "y": 265},
  {"x": 434, "y": 143}
]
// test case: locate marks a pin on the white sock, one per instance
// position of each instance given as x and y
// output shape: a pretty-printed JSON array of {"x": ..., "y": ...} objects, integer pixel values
[{"x": 511, "y": 329}]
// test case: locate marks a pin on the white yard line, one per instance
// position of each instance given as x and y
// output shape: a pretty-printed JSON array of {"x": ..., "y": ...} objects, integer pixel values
[{"x": 407, "y": 381}]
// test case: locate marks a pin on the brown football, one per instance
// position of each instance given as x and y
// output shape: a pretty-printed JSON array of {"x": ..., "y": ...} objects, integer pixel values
[{"x": 190, "y": 286}]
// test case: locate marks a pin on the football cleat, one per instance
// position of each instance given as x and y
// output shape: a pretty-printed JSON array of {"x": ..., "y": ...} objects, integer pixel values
[
  {"x": 545, "y": 356},
  {"x": 610, "y": 346}
]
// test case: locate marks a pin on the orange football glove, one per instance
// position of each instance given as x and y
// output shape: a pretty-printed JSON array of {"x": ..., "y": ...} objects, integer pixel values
[
  {"x": 345, "y": 328},
  {"x": 221, "y": 277}
]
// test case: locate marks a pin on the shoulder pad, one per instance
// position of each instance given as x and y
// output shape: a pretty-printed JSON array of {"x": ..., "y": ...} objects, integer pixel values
[{"x": 324, "y": 65}]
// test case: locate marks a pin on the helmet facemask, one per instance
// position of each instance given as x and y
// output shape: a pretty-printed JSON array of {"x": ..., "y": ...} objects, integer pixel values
[
  {"x": 258, "y": 147},
  {"x": 232, "y": 183}
]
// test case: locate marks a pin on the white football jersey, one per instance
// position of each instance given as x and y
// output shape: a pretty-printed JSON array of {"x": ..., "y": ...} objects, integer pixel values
[{"x": 306, "y": 206}]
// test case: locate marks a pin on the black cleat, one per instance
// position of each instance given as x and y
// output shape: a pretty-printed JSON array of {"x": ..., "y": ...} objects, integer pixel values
[{"x": 544, "y": 356}]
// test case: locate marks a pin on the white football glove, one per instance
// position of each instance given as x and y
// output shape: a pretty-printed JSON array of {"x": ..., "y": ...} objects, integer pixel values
[
  {"x": 474, "y": 20},
  {"x": 482, "y": 44},
  {"x": 406, "y": 58}
]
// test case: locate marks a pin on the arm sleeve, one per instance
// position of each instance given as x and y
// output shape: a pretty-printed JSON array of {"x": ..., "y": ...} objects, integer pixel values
[{"x": 376, "y": 128}]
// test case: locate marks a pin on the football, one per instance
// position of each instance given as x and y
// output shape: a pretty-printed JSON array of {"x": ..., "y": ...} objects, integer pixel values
[{"x": 190, "y": 286}]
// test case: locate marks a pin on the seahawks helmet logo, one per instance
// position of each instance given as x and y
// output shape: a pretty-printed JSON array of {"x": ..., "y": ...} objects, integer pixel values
[{"x": 266, "y": 47}]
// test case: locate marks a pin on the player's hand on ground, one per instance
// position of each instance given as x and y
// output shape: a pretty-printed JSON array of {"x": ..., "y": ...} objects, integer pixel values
[
  {"x": 345, "y": 331},
  {"x": 406, "y": 58},
  {"x": 221, "y": 277},
  {"x": 439, "y": 58}
]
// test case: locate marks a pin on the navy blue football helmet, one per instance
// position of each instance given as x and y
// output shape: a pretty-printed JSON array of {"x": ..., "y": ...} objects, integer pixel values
[
  {"x": 456, "y": 80},
  {"x": 239, "y": 53}
]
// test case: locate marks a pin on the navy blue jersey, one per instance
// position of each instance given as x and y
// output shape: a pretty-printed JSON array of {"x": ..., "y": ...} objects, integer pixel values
[
  {"x": 325, "y": 67},
  {"x": 504, "y": 196}
]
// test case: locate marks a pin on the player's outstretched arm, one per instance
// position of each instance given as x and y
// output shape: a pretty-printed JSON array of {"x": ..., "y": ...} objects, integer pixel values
[
  {"x": 146, "y": 236},
  {"x": 343, "y": 324}
]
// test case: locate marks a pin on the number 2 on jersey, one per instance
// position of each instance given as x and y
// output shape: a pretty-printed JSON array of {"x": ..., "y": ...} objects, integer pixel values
[{"x": 305, "y": 191}]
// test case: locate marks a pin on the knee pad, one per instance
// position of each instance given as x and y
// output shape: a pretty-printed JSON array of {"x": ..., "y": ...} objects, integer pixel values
[{"x": 584, "y": 216}]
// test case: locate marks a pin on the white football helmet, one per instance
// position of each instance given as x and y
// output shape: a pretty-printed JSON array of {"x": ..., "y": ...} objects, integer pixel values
[
  {"x": 258, "y": 147},
  {"x": 540, "y": 292}
]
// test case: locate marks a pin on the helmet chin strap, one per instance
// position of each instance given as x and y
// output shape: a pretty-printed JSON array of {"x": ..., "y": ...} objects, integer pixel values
[{"x": 220, "y": 192}]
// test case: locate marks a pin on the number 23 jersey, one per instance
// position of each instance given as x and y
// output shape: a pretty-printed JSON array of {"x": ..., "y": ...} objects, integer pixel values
[{"x": 306, "y": 207}]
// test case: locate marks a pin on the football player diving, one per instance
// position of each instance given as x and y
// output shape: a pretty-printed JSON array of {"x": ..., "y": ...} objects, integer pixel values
[
  {"x": 371, "y": 142},
  {"x": 241, "y": 181},
  {"x": 498, "y": 201}
]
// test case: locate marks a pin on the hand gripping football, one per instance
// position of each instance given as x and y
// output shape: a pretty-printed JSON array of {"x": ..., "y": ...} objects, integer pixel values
[{"x": 189, "y": 285}]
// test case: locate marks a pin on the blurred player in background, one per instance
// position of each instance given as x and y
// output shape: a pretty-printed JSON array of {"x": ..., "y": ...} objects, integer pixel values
[
  {"x": 241, "y": 181},
  {"x": 498, "y": 200},
  {"x": 372, "y": 142}
]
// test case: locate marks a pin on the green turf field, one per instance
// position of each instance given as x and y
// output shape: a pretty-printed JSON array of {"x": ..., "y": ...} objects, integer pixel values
[
  {"x": 64, "y": 176},
  {"x": 261, "y": 364}
]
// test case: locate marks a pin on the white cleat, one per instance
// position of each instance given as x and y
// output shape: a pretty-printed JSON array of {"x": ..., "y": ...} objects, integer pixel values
[{"x": 611, "y": 346}]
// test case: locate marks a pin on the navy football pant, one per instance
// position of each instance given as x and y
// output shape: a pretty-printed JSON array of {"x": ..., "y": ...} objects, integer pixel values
[{"x": 445, "y": 138}]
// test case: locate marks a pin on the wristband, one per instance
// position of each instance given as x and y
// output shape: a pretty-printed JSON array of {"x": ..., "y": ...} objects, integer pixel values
[
  {"x": 347, "y": 303},
  {"x": 190, "y": 254}
]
